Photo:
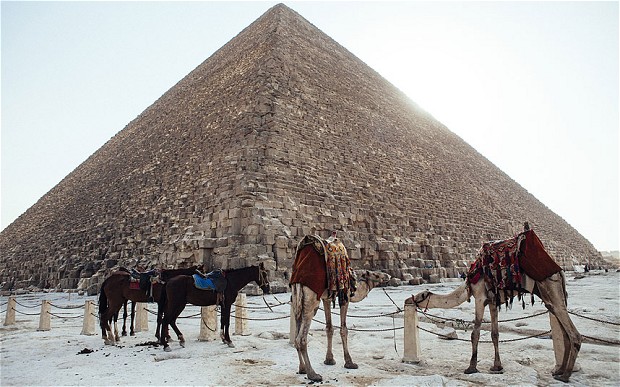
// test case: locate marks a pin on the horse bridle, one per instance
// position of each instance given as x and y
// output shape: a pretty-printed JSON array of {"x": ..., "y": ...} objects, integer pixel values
[{"x": 263, "y": 276}]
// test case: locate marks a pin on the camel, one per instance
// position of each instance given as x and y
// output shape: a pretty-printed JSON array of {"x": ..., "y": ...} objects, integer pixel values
[
  {"x": 551, "y": 290},
  {"x": 305, "y": 302}
]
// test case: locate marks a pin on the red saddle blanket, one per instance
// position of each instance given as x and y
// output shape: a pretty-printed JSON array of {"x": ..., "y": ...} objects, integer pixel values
[
  {"x": 501, "y": 263},
  {"x": 309, "y": 270},
  {"x": 322, "y": 266}
]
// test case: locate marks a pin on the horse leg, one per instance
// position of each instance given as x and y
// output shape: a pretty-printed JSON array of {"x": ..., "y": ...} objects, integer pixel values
[
  {"x": 117, "y": 337},
  {"x": 497, "y": 363},
  {"x": 133, "y": 314},
  {"x": 475, "y": 336},
  {"x": 124, "y": 333},
  {"x": 225, "y": 325},
  {"x": 329, "y": 330},
  {"x": 344, "y": 333}
]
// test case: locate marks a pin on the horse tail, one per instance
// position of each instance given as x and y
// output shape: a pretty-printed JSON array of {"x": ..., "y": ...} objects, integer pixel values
[{"x": 103, "y": 299}]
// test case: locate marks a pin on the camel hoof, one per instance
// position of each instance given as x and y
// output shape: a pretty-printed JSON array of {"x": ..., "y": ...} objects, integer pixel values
[
  {"x": 561, "y": 378},
  {"x": 559, "y": 371},
  {"x": 471, "y": 370},
  {"x": 351, "y": 366},
  {"x": 315, "y": 377},
  {"x": 329, "y": 362}
]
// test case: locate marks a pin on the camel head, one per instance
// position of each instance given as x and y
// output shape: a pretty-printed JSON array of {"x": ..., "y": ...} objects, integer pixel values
[
  {"x": 421, "y": 297},
  {"x": 372, "y": 278}
]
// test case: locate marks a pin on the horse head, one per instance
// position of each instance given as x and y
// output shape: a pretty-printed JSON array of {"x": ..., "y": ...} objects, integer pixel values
[{"x": 263, "y": 278}]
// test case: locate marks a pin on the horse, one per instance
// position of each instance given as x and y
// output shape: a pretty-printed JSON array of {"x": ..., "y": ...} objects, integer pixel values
[
  {"x": 180, "y": 291},
  {"x": 115, "y": 292}
]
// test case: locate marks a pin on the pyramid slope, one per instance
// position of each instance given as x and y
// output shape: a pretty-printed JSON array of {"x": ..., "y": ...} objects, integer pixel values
[{"x": 280, "y": 133}]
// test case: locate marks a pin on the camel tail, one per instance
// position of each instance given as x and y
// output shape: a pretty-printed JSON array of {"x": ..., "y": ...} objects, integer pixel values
[
  {"x": 297, "y": 298},
  {"x": 564, "y": 287}
]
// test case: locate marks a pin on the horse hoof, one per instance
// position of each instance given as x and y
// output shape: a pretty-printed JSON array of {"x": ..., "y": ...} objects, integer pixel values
[
  {"x": 497, "y": 370},
  {"x": 351, "y": 366},
  {"x": 124, "y": 334},
  {"x": 471, "y": 370},
  {"x": 230, "y": 345},
  {"x": 330, "y": 362},
  {"x": 167, "y": 349}
]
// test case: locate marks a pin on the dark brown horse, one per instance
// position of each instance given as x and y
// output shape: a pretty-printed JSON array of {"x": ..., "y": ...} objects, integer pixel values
[
  {"x": 180, "y": 291},
  {"x": 115, "y": 292}
]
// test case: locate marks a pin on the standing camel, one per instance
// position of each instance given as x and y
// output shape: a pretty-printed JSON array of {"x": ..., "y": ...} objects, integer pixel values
[
  {"x": 309, "y": 286},
  {"x": 535, "y": 274}
]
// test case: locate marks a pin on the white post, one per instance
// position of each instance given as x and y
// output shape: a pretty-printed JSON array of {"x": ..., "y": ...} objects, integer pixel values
[
  {"x": 412, "y": 335},
  {"x": 142, "y": 318},
  {"x": 9, "y": 317},
  {"x": 88, "y": 327},
  {"x": 292, "y": 328},
  {"x": 208, "y": 323},
  {"x": 45, "y": 317},
  {"x": 241, "y": 315}
]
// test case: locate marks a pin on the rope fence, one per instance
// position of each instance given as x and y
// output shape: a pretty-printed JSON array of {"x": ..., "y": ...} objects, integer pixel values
[{"x": 241, "y": 308}]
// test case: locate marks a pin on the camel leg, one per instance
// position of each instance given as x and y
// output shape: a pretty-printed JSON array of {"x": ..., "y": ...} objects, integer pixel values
[
  {"x": 306, "y": 307},
  {"x": 344, "y": 333},
  {"x": 329, "y": 330},
  {"x": 497, "y": 363},
  {"x": 557, "y": 336},
  {"x": 552, "y": 294},
  {"x": 475, "y": 336}
]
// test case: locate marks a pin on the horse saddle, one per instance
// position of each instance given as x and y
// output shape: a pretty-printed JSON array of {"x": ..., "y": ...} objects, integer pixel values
[{"x": 214, "y": 280}]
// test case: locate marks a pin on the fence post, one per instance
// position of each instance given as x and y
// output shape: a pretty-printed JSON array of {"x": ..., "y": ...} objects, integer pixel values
[
  {"x": 208, "y": 323},
  {"x": 9, "y": 317},
  {"x": 88, "y": 327},
  {"x": 142, "y": 318},
  {"x": 241, "y": 315},
  {"x": 45, "y": 317},
  {"x": 292, "y": 327},
  {"x": 412, "y": 335}
]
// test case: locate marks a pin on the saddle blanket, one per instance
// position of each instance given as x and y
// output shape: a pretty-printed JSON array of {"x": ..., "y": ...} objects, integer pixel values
[
  {"x": 215, "y": 280},
  {"x": 323, "y": 266},
  {"x": 203, "y": 283},
  {"x": 134, "y": 284},
  {"x": 502, "y": 263}
]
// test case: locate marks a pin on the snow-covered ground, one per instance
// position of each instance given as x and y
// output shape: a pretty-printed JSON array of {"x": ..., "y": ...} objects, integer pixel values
[{"x": 265, "y": 357}]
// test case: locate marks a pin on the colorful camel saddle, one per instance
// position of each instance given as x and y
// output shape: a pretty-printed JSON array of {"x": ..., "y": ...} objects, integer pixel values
[
  {"x": 503, "y": 263},
  {"x": 322, "y": 265},
  {"x": 215, "y": 280}
]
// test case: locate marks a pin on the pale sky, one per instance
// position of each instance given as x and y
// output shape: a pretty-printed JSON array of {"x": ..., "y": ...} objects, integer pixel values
[{"x": 533, "y": 86}]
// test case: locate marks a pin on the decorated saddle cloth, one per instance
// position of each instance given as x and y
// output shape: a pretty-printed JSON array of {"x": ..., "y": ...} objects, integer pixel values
[
  {"x": 498, "y": 263},
  {"x": 339, "y": 271},
  {"x": 502, "y": 264},
  {"x": 322, "y": 266},
  {"x": 215, "y": 280}
]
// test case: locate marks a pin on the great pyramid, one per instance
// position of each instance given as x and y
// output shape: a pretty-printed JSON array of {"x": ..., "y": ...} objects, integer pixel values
[{"x": 280, "y": 133}]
